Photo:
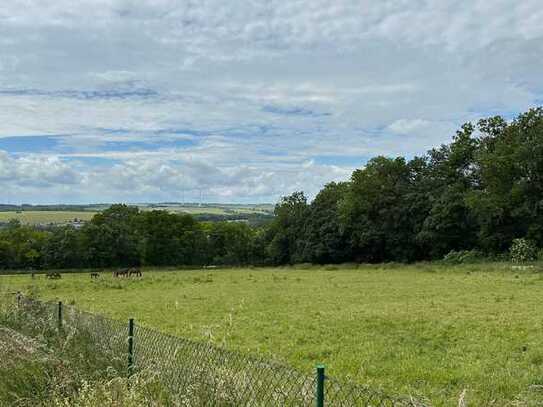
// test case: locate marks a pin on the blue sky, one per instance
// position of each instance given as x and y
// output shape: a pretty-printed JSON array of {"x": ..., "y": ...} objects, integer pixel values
[{"x": 131, "y": 101}]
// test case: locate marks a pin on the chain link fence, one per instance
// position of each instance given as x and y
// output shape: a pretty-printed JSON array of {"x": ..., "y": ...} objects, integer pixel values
[{"x": 197, "y": 373}]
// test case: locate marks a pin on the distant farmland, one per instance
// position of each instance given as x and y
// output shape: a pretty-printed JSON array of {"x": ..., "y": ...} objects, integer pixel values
[
  {"x": 46, "y": 217},
  {"x": 64, "y": 215},
  {"x": 213, "y": 209}
]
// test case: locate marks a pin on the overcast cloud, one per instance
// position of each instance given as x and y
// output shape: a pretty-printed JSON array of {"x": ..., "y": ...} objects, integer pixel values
[{"x": 152, "y": 100}]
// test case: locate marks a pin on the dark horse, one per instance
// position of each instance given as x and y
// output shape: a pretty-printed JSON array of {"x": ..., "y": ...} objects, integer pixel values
[
  {"x": 129, "y": 272},
  {"x": 121, "y": 273},
  {"x": 55, "y": 275},
  {"x": 134, "y": 271},
  {"x": 94, "y": 275}
]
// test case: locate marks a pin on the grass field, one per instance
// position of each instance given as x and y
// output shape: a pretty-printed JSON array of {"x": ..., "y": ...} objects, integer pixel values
[
  {"x": 45, "y": 217},
  {"x": 216, "y": 209},
  {"x": 426, "y": 329},
  {"x": 59, "y": 217}
]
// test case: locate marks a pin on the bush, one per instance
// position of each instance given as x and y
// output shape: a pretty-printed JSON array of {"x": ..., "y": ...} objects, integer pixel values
[
  {"x": 463, "y": 257},
  {"x": 523, "y": 250}
]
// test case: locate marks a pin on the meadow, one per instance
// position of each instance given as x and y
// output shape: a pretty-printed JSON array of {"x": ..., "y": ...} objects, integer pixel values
[
  {"x": 215, "y": 209},
  {"x": 426, "y": 330},
  {"x": 45, "y": 217}
]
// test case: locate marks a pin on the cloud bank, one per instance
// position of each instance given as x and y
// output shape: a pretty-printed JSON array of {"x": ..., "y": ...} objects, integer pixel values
[{"x": 118, "y": 100}]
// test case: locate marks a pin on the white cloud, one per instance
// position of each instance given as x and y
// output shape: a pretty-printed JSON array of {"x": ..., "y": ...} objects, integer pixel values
[
  {"x": 406, "y": 126},
  {"x": 36, "y": 171}
]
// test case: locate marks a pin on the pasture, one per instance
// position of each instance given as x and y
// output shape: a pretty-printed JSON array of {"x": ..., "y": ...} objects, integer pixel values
[
  {"x": 45, "y": 217},
  {"x": 425, "y": 329},
  {"x": 213, "y": 209}
]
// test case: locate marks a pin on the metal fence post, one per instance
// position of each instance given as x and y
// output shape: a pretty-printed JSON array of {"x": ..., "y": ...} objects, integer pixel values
[
  {"x": 59, "y": 315},
  {"x": 320, "y": 386},
  {"x": 130, "y": 346}
]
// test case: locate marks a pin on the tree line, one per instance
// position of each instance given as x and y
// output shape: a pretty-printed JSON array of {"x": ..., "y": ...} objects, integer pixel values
[
  {"x": 479, "y": 192},
  {"x": 127, "y": 236}
]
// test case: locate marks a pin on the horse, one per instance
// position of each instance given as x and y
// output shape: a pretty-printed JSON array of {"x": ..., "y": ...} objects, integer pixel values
[
  {"x": 134, "y": 271},
  {"x": 94, "y": 275},
  {"x": 121, "y": 273},
  {"x": 55, "y": 275}
]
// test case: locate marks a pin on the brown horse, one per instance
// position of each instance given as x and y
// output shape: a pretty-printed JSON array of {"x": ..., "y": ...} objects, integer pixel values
[
  {"x": 134, "y": 271},
  {"x": 94, "y": 275},
  {"x": 55, "y": 275},
  {"x": 121, "y": 273}
]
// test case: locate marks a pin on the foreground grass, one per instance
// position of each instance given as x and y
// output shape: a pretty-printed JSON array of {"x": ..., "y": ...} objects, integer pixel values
[
  {"x": 424, "y": 329},
  {"x": 32, "y": 375}
]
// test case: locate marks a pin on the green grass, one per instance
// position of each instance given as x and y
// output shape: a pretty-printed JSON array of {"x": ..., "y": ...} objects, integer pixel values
[
  {"x": 424, "y": 329},
  {"x": 57, "y": 217},
  {"x": 45, "y": 217},
  {"x": 193, "y": 210},
  {"x": 209, "y": 209}
]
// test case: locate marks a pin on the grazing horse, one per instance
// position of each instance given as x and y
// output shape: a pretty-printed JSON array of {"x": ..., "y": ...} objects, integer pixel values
[
  {"x": 134, "y": 271},
  {"x": 94, "y": 275},
  {"x": 54, "y": 275},
  {"x": 121, "y": 273}
]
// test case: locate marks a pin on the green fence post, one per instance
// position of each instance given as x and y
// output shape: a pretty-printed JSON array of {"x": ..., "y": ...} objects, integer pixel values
[
  {"x": 130, "y": 346},
  {"x": 59, "y": 316},
  {"x": 320, "y": 386}
]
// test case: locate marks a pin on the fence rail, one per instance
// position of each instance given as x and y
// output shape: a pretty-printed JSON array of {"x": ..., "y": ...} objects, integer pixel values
[{"x": 197, "y": 372}]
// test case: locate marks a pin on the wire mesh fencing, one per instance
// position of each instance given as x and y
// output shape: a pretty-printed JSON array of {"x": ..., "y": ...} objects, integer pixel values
[{"x": 197, "y": 373}]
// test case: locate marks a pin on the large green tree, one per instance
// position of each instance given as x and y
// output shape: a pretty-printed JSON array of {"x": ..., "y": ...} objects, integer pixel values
[
  {"x": 286, "y": 232},
  {"x": 230, "y": 243},
  {"x": 111, "y": 237},
  {"x": 64, "y": 249},
  {"x": 508, "y": 202},
  {"x": 381, "y": 208},
  {"x": 170, "y": 239},
  {"x": 324, "y": 240},
  {"x": 450, "y": 175},
  {"x": 21, "y": 246}
]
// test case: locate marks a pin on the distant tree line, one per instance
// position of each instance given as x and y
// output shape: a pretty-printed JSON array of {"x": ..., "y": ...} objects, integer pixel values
[
  {"x": 126, "y": 236},
  {"x": 480, "y": 192}
]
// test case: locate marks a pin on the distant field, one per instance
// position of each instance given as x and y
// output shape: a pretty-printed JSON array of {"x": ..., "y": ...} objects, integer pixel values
[
  {"x": 424, "y": 329},
  {"x": 216, "y": 210},
  {"x": 45, "y": 217},
  {"x": 193, "y": 210},
  {"x": 55, "y": 217}
]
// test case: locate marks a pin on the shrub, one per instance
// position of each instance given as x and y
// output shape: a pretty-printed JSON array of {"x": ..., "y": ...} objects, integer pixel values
[
  {"x": 463, "y": 256},
  {"x": 523, "y": 250}
]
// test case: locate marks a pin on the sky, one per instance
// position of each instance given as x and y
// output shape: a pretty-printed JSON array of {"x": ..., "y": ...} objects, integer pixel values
[{"x": 245, "y": 100}]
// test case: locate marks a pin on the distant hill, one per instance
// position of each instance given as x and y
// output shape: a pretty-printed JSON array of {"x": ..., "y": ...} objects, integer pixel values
[{"x": 64, "y": 214}]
